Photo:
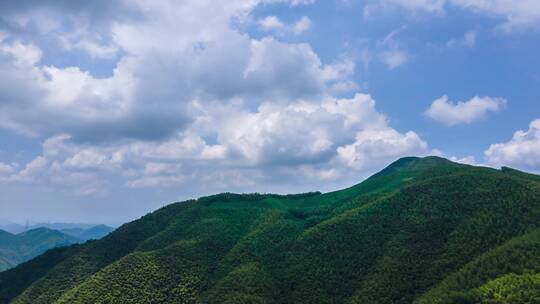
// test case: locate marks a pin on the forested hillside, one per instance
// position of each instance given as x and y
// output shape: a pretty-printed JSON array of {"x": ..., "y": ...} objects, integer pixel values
[
  {"x": 18, "y": 248},
  {"x": 423, "y": 230}
]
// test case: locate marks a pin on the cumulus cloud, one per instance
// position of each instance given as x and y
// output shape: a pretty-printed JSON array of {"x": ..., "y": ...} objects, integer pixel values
[
  {"x": 266, "y": 136},
  {"x": 287, "y": 71},
  {"x": 373, "y": 147},
  {"x": 162, "y": 71},
  {"x": 74, "y": 25},
  {"x": 304, "y": 139},
  {"x": 449, "y": 113},
  {"x": 191, "y": 100},
  {"x": 23, "y": 55},
  {"x": 522, "y": 151}
]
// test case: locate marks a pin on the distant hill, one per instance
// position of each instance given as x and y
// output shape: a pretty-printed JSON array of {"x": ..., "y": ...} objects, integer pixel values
[
  {"x": 18, "y": 228},
  {"x": 423, "y": 230},
  {"x": 92, "y": 233},
  {"x": 15, "y": 249},
  {"x": 60, "y": 226},
  {"x": 23, "y": 246},
  {"x": 12, "y": 227}
]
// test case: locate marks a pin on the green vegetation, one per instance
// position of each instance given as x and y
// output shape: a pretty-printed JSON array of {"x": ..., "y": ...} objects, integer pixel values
[
  {"x": 514, "y": 260},
  {"x": 423, "y": 230},
  {"x": 18, "y": 248}
]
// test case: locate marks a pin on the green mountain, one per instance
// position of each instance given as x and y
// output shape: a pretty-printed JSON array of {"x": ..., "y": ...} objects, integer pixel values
[
  {"x": 423, "y": 230},
  {"x": 92, "y": 233},
  {"x": 18, "y": 248}
]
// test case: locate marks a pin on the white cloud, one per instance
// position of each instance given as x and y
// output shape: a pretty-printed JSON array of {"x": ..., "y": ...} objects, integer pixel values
[
  {"x": 278, "y": 69},
  {"x": 300, "y": 132},
  {"x": 274, "y": 24},
  {"x": 271, "y": 23},
  {"x": 92, "y": 46},
  {"x": 449, "y": 113},
  {"x": 468, "y": 40},
  {"x": 162, "y": 70},
  {"x": 468, "y": 160},
  {"x": 192, "y": 99},
  {"x": 422, "y": 5},
  {"x": 302, "y": 25},
  {"x": 392, "y": 55},
  {"x": 32, "y": 170},
  {"x": 82, "y": 169},
  {"x": 374, "y": 147},
  {"x": 5, "y": 170},
  {"x": 516, "y": 15},
  {"x": 522, "y": 151},
  {"x": 302, "y": 2},
  {"x": 23, "y": 54},
  {"x": 290, "y": 2},
  {"x": 393, "y": 58},
  {"x": 320, "y": 140}
]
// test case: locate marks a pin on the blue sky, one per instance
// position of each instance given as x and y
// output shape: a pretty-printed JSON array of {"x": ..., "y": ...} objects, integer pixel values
[{"x": 111, "y": 109}]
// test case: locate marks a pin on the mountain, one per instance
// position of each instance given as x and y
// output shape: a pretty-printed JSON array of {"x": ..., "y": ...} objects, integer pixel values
[
  {"x": 423, "y": 230},
  {"x": 15, "y": 249},
  {"x": 62, "y": 226},
  {"x": 12, "y": 228},
  {"x": 83, "y": 232},
  {"x": 92, "y": 233},
  {"x": 17, "y": 228},
  {"x": 23, "y": 246}
]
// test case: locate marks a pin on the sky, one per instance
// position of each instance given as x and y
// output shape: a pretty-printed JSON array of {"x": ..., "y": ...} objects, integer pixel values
[{"x": 112, "y": 109}]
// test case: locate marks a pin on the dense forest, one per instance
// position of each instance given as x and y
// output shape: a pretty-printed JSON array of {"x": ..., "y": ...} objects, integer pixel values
[{"x": 423, "y": 230}]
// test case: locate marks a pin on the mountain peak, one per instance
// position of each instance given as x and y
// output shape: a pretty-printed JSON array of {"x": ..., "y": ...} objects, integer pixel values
[
  {"x": 414, "y": 163},
  {"x": 428, "y": 160}
]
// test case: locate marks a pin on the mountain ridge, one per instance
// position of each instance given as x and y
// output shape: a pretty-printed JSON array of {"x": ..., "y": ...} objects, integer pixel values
[
  {"x": 390, "y": 239},
  {"x": 66, "y": 227}
]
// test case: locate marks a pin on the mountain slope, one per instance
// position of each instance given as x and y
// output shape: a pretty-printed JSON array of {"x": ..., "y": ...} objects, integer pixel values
[
  {"x": 15, "y": 249},
  {"x": 514, "y": 260},
  {"x": 397, "y": 237},
  {"x": 28, "y": 272}
]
